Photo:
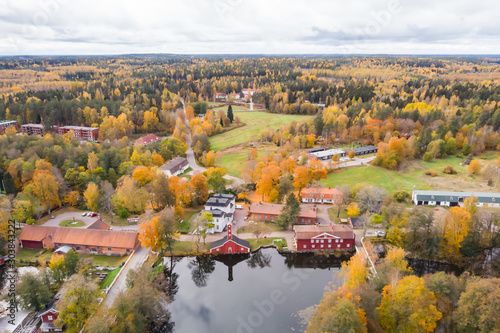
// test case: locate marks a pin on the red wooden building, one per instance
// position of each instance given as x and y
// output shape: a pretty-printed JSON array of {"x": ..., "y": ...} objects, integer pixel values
[
  {"x": 230, "y": 243},
  {"x": 48, "y": 317},
  {"x": 323, "y": 237}
]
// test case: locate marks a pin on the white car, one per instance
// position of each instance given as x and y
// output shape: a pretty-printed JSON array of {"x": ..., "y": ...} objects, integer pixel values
[
  {"x": 380, "y": 233},
  {"x": 239, "y": 206},
  {"x": 84, "y": 214}
]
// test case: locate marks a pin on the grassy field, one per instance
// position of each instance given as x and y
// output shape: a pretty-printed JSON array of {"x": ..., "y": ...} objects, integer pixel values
[
  {"x": 110, "y": 277},
  {"x": 108, "y": 261},
  {"x": 247, "y": 229},
  {"x": 255, "y": 122},
  {"x": 70, "y": 224},
  {"x": 186, "y": 247},
  {"x": 265, "y": 241},
  {"x": 31, "y": 255},
  {"x": 235, "y": 108},
  {"x": 413, "y": 175},
  {"x": 234, "y": 163}
]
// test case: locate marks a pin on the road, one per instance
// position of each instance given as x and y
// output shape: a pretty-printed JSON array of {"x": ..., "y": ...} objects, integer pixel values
[
  {"x": 135, "y": 262},
  {"x": 85, "y": 219},
  {"x": 190, "y": 154},
  {"x": 355, "y": 162}
]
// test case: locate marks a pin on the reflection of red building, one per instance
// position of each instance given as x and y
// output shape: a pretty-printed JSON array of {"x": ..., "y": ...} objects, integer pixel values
[
  {"x": 84, "y": 133},
  {"x": 323, "y": 237},
  {"x": 230, "y": 243}
]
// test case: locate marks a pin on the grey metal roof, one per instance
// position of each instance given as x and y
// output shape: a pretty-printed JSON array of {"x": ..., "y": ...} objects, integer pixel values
[
  {"x": 218, "y": 202},
  {"x": 222, "y": 241},
  {"x": 216, "y": 212},
  {"x": 225, "y": 196},
  {"x": 363, "y": 149},
  {"x": 450, "y": 196},
  {"x": 175, "y": 164}
]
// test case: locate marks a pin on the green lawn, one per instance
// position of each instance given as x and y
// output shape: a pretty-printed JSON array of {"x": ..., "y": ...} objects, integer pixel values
[
  {"x": 394, "y": 180},
  {"x": 265, "y": 241},
  {"x": 255, "y": 122},
  {"x": 108, "y": 261},
  {"x": 110, "y": 277},
  {"x": 189, "y": 247},
  {"x": 185, "y": 227},
  {"x": 235, "y": 108},
  {"x": 31, "y": 255},
  {"x": 247, "y": 229},
  {"x": 234, "y": 163},
  {"x": 70, "y": 224}
]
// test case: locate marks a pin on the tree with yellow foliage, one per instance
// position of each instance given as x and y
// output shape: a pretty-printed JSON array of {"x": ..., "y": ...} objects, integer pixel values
[
  {"x": 45, "y": 188},
  {"x": 91, "y": 196},
  {"x": 474, "y": 167},
  {"x": 353, "y": 209},
  {"x": 355, "y": 271},
  {"x": 157, "y": 159},
  {"x": 150, "y": 121},
  {"x": 92, "y": 162},
  {"x": 455, "y": 228},
  {"x": 408, "y": 306},
  {"x": 143, "y": 174},
  {"x": 72, "y": 198},
  {"x": 159, "y": 233}
]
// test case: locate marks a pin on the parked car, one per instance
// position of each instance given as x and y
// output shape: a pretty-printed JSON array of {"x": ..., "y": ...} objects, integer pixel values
[
  {"x": 380, "y": 233},
  {"x": 84, "y": 214},
  {"x": 92, "y": 214},
  {"x": 246, "y": 217},
  {"x": 239, "y": 206}
]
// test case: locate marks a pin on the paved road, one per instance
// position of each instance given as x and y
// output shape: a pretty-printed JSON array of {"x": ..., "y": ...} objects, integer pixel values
[
  {"x": 120, "y": 284},
  {"x": 190, "y": 154}
]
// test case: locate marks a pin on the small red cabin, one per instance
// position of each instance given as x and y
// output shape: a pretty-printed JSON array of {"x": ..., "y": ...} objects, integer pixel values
[
  {"x": 230, "y": 243},
  {"x": 48, "y": 318},
  {"x": 323, "y": 237}
]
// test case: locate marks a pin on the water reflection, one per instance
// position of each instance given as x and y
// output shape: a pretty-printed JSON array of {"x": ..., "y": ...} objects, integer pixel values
[{"x": 258, "y": 292}]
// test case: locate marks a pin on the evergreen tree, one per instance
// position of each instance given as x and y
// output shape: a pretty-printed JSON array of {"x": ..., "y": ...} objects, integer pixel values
[
  {"x": 230, "y": 113},
  {"x": 221, "y": 122},
  {"x": 8, "y": 184},
  {"x": 290, "y": 212}
]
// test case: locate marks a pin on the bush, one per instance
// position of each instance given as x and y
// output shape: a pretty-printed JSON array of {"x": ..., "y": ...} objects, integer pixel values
[
  {"x": 30, "y": 220},
  {"x": 402, "y": 196},
  {"x": 123, "y": 213},
  {"x": 449, "y": 170},
  {"x": 431, "y": 173},
  {"x": 427, "y": 157}
]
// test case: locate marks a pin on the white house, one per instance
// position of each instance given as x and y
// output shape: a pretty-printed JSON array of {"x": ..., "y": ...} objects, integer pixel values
[
  {"x": 174, "y": 167},
  {"x": 222, "y": 207}
]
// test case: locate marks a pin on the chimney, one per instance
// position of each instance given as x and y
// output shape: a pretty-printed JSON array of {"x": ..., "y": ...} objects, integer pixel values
[{"x": 229, "y": 231}]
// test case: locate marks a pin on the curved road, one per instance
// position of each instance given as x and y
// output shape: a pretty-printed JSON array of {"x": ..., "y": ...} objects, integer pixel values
[{"x": 190, "y": 154}]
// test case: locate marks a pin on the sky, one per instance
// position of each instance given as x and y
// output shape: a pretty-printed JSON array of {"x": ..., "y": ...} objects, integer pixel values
[{"x": 73, "y": 27}]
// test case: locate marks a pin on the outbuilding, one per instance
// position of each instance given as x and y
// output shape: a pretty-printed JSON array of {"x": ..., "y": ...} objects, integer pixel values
[
  {"x": 230, "y": 243},
  {"x": 323, "y": 237}
]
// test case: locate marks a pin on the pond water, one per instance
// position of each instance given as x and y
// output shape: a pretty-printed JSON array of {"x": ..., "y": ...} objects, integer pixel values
[{"x": 259, "y": 292}]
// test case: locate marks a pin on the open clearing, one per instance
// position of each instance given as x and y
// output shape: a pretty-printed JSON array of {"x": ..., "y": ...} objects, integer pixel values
[
  {"x": 234, "y": 163},
  {"x": 235, "y": 108},
  {"x": 413, "y": 175},
  {"x": 255, "y": 123}
]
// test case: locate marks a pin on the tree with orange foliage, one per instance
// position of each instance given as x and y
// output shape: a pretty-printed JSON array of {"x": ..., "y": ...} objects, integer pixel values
[
  {"x": 252, "y": 155},
  {"x": 301, "y": 177},
  {"x": 189, "y": 113},
  {"x": 474, "y": 167},
  {"x": 287, "y": 165},
  {"x": 159, "y": 233},
  {"x": 158, "y": 159},
  {"x": 143, "y": 175},
  {"x": 200, "y": 189},
  {"x": 45, "y": 188},
  {"x": 456, "y": 227},
  {"x": 72, "y": 198}
]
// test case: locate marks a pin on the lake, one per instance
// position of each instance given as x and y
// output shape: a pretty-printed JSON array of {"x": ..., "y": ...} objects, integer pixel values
[{"x": 259, "y": 292}]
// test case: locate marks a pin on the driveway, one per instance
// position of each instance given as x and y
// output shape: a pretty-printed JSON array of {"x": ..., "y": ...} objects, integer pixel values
[
  {"x": 135, "y": 262},
  {"x": 70, "y": 216}
]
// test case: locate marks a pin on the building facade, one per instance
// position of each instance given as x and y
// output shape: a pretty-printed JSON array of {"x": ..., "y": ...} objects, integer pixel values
[
  {"x": 222, "y": 207},
  {"x": 7, "y": 123},
  {"x": 174, "y": 167},
  {"x": 32, "y": 129},
  {"x": 270, "y": 212},
  {"x": 145, "y": 140},
  {"x": 79, "y": 132},
  {"x": 322, "y": 195},
  {"x": 453, "y": 199},
  {"x": 230, "y": 243},
  {"x": 323, "y": 237}
]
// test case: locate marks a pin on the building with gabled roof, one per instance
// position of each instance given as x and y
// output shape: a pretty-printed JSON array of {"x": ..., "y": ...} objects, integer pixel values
[
  {"x": 222, "y": 207},
  {"x": 270, "y": 212},
  {"x": 145, "y": 140},
  {"x": 322, "y": 195},
  {"x": 323, "y": 237},
  {"x": 174, "y": 167},
  {"x": 230, "y": 243},
  {"x": 37, "y": 237},
  {"x": 98, "y": 224},
  {"x": 452, "y": 199}
]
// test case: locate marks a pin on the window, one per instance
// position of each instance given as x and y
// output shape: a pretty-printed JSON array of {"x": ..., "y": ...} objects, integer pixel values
[
  {"x": 348, "y": 245},
  {"x": 127, "y": 250},
  {"x": 302, "y": 220},
  {"x": 241, "y": 249},
  {"x": 230, "y": 250},
  {"x": 329, "y": 245},
  {"x": 341, "y": 240},
  {"x": 338, "y": 245},
  {"x": 93, "y": 250},
  {"x": 305, "y": 246},
  {"x": 322, "y": 241},
  {"x": 329, "y": 241},
  {"x": 313, "y": 246},
  {"x": 308, "y": 221},
  {"x": 312, "y": 240},
  {"x": 109, "y": 249},
  {"x": 321, "y": 245},
  {"x": 49, "y": 317},
  {"x": 336, "y": 241}
]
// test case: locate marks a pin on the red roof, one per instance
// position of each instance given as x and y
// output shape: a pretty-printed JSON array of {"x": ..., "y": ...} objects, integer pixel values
[
  {"x": 311, "y": 231},
  {"x": 150, "y": 138},
  {"x": 328, "y": 193}
]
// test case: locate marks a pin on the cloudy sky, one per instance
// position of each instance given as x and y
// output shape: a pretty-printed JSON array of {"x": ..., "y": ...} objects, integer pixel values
[{"x": 71, "y": 27}]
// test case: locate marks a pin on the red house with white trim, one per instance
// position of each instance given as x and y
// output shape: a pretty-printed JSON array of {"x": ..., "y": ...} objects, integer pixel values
[
  {"x": 48, "y": 318},
  {"x": 230, "y": 243},
  {"x": 323, "y": 237}
]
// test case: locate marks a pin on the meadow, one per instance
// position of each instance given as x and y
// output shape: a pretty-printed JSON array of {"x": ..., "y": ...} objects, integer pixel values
[
  {"x": 255, "y": 123},
  {"x": 413, "y": 176}
]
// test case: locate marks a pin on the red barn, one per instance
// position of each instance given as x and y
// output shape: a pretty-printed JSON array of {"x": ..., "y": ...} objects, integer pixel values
[
  {"x": 37, "y": 237},
  {"x": 323, "y": 237},
  {"x": 48, "y": 318},
  {"x": 230, "y": 243}
]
